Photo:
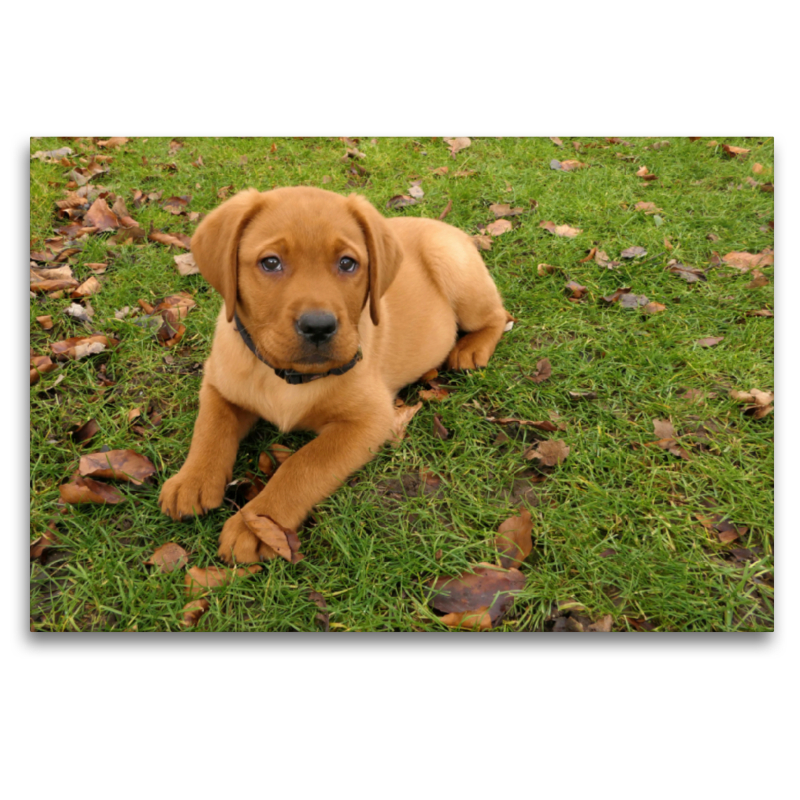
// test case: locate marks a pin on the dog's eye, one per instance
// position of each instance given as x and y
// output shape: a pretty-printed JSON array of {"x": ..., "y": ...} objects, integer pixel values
[
  {"x": 271, "y": 264},
  {"x": 348, "y": 264}
]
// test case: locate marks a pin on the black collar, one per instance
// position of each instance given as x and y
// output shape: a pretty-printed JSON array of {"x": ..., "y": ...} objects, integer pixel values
[{"x": 290, "y": 375}]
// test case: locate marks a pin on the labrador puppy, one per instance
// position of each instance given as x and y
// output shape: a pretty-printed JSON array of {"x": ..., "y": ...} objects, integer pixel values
[{"x": 329, "y": 310}]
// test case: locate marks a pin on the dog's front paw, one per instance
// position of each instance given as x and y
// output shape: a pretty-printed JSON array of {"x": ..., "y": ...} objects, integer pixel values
[
  {"x": 191, "y": 494},
  {"x": 238, "y": 543},
  {"x": 470, "y": 352}
]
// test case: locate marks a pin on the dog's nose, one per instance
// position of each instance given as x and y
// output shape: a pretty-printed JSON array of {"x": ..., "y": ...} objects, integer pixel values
[{"x": 317, "y": 326}]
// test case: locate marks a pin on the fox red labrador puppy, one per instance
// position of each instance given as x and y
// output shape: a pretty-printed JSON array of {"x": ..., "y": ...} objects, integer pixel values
[{"x": 329, "y": 310}]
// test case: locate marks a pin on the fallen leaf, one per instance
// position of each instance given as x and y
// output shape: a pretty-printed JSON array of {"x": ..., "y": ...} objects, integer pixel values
[
  {"x": 168, "y": 557},
  {"x": 114, "y": 141},
  {"x": 556, "y": 141},
  {"x": 47, "y": 540},
  {"x": 545, "y": 269},
  {"x": 653, "y": 308},
  {"x": 185, "y": 264},
  {"x": 633, "y": 252},
  {"x": 54, "y": 155},
  {"x": 86, "y": 431},
  {"x": 80, "y": 346},
  {"x": 543, "y": 371},
  {"x": 416, "y": 191},
  {"x": 664, "y": 429},
  {"x": 735, "y": 151},
  {"x": 55, "y": 285},
  {"x": 176, "y": 205},
  {"x": 178, "y": 240},
  {"x": 612, "y": 298},
  {"x": 499, "y": 227},
  {"x": 446, "y": 210},
  {"x": 170, "y": 331},
  {"x": 748, "y": 261},
  {"x": 758, "y": 282},
  {"x": 543, "y": 425},
  {"x": 199, "y": 580},
  {"x": 571, "y": 164},
  {"x": 280, "y": 452},
  {"x": 513, "y": 541},
  {"x": 688, "y": 274},
  {"x": 100, "y": 216},
  {"x": 46, "y": 322},
  {"x": 709, "y": 341},
  {"x": 439, "y": 429},
  {"x": 761, "y": 312},
  {"x": 88, "y": 287},
  {"x": 400, "y": 201},
  {"x": 193, "y": 610},
  {"x": 85, "y": 490},
  {"x": 549, "y": 453},
  {"x": 504, "y": 210},
  {"x": 648, "y": 208},
  {"x": 403, "y": 415},
  {"x": 583, "y": 395},
  {"x": 482, "y": 242},
  {"x": 576, "y": 289},
  {"x": 458, "y": 144},
  {"x": 761, "y": 402},
  {"x": 480, "y": 620},
  {"x": 559, "y": 230},
  {"x": 438, "y": 393},
  {"x": 280, "y": 540},
  {"x": 629, "y": 300},
  {"x": 487, "y": 590},
  {"x": 323, "y": 618},
  {"x": 123, "y": 465}
]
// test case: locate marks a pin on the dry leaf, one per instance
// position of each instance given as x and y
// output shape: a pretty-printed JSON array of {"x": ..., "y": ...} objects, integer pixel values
[
  {"x": 513, "y": 541},
  {"x": 88, "y": 287},
  {"x": 653, "y": 308},
  {"x": 185, "y": 264},
  {"x": 439, "y": 429},
  {"x": 176, "y": 240},
  {"x": 403, "y": 415},
  {"x": 504, "y": 210},
  {"x": 168, "y": 557},
  {"x": 457, "y": 144},
  {"x": 79, "y": 346},
  {"x": 86, "y": 490},
  {"x": 86, "y": 431},
  {"x": 193, "y": 610},
  {"x": 709, "y": 341},
  {"x": 100, "y": 216},
  {"x": 482, "y": 242},
  {"x": 549, "y": 453},
  {"x": 543, "y": 371},
  {"x": 199, "y": 580},
  {"x": 748, "y": 261},
  {"x": 633, "y": 252},
  {"x": 280, "y": 540},
  {"x": 499, "y": 227},
  {"x": 117, "y": 465}
]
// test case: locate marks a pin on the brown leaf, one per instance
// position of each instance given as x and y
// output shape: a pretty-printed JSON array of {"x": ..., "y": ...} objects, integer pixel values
[
  {"x": 176, "y": 205},
  {"x": 735, "y": 151},
  {"x": 88, "y": 287},
  {"x": 486, "y": 590},
  {"x": 549, "y": 453},
  {"x": 504, "y": 210},
  {"x": 482, "y": 242},
  {"x": 282, "y": 541},
  {"x": 653, "y": 308},
  {"x": 633, "y": 252},
  {"x": 49, "y": 285},
  {"x": 457, "y": 144},
  {"x": 748, "y": 261},
  {"x": 403, "y": 415},
  {"x": 44, "y": 542},
  {"x": 556, "y": 141},
  {"x": 761, "y": 312},
  {"x": 758, "y": 282},
  {"x": 542, "y": 425},
  {"x": 543, "y": 371},
  {"x": 86, "y": 431},
  {"x": 438, "y": 393},
  {"x": 46, "y": 322},
  {"x": 612, "y": 298},
  {"x": 114, "y": 141},
  {"x": 168, "y": 557},
  {"x": 193, "y": 610},
  {"x": 266, "y": 465},
  {"x": 499, "y": 227},
  {"x": 571, "y": 164},
  {"x": 513, "y": 540},
  {"x": 577, "y": 290},
  {"x": 709, "y": 341},
  {"x": 648, "y": 208},
  {"x": 400, "y": 201},
  {"x": 687, "y": 273},
  {"x": 663, "y": 429},
  {"x": 79, "y": 346},
  {"x": 199, "y": 580},
  {"x": 629, "y": 300},
  {"x": 122, "y": 465},
  {"x": 439, "y": 429},
  {"x": 101, "y": 216},
  {"x": 323, "y": 618},
  {"x": 86, "y": 490},
  {"x": 186, "y": 265},
  {"x": 446, "y": 210},
  {"x": 170, "y": 331},
  {"x": 545, "y": 269},
  {"x": 583, "y": 395},
  {"x": 478, "y": 620},
  {"x": 280, "y": 452},
  {"x": 177, "y": 240}
]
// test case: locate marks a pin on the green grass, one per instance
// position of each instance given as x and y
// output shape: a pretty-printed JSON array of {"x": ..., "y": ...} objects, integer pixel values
[{"x": 368, "y": 551}]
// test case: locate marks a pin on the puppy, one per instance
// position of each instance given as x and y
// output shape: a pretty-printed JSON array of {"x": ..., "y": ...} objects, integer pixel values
[{"x": 329, "y": 310}]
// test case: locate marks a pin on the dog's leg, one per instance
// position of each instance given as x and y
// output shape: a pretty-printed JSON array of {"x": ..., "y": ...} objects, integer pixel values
[
  {"x": 306, "y": 478},
  {"x": 480, "y": 313},
  {"x": 200, "y": 484}
]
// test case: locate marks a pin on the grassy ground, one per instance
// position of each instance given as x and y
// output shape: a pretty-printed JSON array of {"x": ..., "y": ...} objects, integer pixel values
[{"x": 374, "y": 544}]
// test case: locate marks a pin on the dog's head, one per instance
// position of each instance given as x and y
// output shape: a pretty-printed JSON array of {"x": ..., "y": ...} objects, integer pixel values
[{"x": 298, "y": 266}]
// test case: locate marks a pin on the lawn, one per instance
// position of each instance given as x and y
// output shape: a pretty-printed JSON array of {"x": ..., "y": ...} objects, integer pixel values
[{"x": 659, "y": 518}]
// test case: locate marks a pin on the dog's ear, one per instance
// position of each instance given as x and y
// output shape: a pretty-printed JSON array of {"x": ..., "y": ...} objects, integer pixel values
[
  {"x": 215, "y": 244},
  {"x": 384, "y": 251}
]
